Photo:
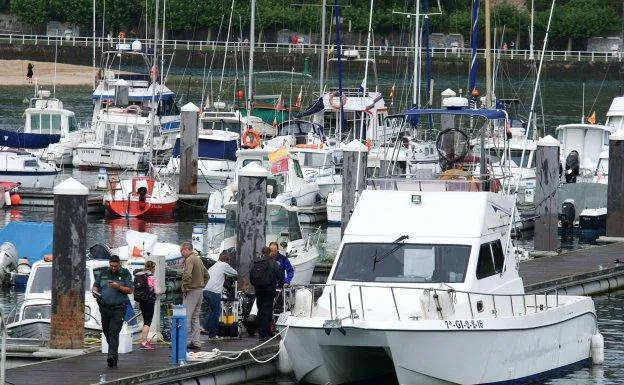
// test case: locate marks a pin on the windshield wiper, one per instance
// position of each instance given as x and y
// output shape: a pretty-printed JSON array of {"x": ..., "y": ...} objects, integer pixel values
[{"x": 395, "y": 248}]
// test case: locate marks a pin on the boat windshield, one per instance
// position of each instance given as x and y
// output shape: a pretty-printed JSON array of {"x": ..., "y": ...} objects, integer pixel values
[
  {"x": 404, "y": 262},
  {"x": 42, "y": 281},
  {"x": 45, "y": 123},
  {"x": 312, "y": 159},
  {"x": 222, "y": 125},
  {"x": 515, "y": 157},
  {"x": 603, "y": 167}
]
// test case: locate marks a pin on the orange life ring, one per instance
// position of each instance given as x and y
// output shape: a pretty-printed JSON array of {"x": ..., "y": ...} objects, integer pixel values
[
  {"x": 337, "y": 104},
  {"x": 250, "y": 138}
]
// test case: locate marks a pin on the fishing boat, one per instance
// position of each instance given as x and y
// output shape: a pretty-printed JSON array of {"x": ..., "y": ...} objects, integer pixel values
[
  {"x": 282, "y": 226},
  {"x": 33, "y": 317},
  {"x": 139, "y": 196},
  {"x": 426, "y": 274},
  {"x": 22, "y": 167}
]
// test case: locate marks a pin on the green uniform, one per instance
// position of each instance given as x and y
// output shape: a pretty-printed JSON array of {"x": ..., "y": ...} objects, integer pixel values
[{"x": 112, "y": 308}]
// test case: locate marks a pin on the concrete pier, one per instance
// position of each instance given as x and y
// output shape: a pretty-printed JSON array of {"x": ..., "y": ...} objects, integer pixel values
[
  {"x": 355, "y": 156},
  {"x": 69, "y": 265},
  {"x": 546, "y": 183},
  {"x": 250, "y": 226},
  {"x": 615, "y": 188},
  {"x": 188, "y": 149}
]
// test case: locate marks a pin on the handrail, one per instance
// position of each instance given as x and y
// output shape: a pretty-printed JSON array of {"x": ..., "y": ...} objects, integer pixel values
[
  {"x": 539, "y": 301},
  {"x": 380, "y": 51}
]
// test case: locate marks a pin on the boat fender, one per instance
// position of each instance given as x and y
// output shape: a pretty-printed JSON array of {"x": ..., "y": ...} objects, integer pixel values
[
  {"x": 597, "y": 349},
  {"x": 7, "y": 198},
  {"x": 445, "y": 305},
  {"x": 284, "y": 365},
  {"x": 427, "y": 307},
  {"x": 23, "y": 267},
  {"x": 15, "y": 199},
  {"x": 303, "y": 303}
]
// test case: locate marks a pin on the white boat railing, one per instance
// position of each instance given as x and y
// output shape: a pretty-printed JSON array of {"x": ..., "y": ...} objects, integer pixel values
[
  {"x": 454, "y": 183},
  {"x": 445, "y": 303}
]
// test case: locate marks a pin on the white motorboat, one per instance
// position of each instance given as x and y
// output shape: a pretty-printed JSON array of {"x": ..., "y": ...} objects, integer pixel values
[
  {"x": 426, "y": 275},
  {"x": 283, "y": 227},
  {"x": 33, "y": 317},
  {"x": 124, "y": 138},
  {"x": 218, "y": 141},
  {"x": 317, "y": 165},
  {"x": 286, "y": 181},
  {"x": 141, "y": 244},
  {"x": 584, "y": 142},
  {"x": 25, "y": 168}
]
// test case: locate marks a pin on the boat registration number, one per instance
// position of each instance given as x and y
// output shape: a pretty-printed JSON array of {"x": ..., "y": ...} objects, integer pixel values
[{"x": 464, "y": 324}]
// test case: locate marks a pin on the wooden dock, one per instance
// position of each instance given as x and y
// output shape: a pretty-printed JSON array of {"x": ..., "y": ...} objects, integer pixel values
[
  {"x": 588, "y": 271},
  {"x": 150, "y": 367},
  {"x": 45, "y": 198}
]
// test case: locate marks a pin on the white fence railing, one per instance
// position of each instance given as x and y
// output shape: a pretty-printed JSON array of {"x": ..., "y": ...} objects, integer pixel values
[{"x": 379, "y": 51}]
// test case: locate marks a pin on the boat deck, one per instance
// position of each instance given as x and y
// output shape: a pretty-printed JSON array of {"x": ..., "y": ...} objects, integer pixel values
[
  {"x": 138, "y": 366},
  {"x": 573, "y": 267}
]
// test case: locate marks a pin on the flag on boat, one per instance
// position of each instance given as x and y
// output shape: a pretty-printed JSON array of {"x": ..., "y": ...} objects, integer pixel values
[
  {"x": 392, "y": 90},
  {"x": 278, "y": 103},
  {"x": 315, "y": 107},
  {"x": 278, "y": 160},
  {"x": 298, "y": 100},
  {"x": 591, "y": 119}
]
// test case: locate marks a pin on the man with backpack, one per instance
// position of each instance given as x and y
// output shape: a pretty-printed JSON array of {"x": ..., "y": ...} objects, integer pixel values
[
  {"x": 145, "y": 296},
  {"x": 266, "y": 276}
]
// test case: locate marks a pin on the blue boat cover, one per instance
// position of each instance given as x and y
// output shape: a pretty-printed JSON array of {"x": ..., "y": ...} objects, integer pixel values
[
  {"x": 212, "y": 149},
  {"x": 32, "y": 240},
  {"x": 16, "y": 139}
]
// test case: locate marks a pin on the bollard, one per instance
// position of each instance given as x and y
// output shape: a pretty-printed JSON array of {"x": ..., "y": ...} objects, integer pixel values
[
  {"x": 188, "y": 149},
  {"x": 102, "y": 179},
  {"x": 178, "y": 335},
  {"x": 355, "y": 156},
  {"x": 197, "y": 239},
  {"x": 546, "y": 184},
  {"x": 69, "y": 267}
]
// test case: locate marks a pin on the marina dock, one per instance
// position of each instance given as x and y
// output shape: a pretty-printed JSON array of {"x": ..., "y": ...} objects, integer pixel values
[{"x": 153, "y": 367}]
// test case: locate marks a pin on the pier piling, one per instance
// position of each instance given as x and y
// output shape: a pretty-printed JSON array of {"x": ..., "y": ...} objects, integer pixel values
[
  {"x": 615, "y": 188},
  {"x": 546, "y": 183},
  {"x": 355, "y": 156},
  {"x": 250, "y": 227},
  {"x": 188, "y": 149},
  {"x": 69, "y": 242}
]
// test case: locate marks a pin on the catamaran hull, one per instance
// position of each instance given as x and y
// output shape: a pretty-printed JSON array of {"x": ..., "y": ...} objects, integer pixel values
[
  {"x": 95, "y": 157},
  {"x": 442, "y": 356}
]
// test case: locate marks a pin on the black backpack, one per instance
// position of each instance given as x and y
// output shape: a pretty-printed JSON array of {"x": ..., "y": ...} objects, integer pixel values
[
  {"x": 142, "y": 291},
  {"x": 262, "y": 273}
]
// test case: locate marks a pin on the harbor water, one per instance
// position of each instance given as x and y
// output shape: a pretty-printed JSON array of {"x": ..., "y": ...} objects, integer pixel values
[{"x": 562, "y": 104}]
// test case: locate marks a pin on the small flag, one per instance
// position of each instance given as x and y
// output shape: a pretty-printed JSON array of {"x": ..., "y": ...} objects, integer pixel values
[
  {"x": 278, "y": 103},
  {"x": 591, "y": 119},
  {"x": 392, "y": 90},
  {"x": 278, "y": 155},
  {"x": 298, "y": 100},
  {"x": 362, "y": 85}
]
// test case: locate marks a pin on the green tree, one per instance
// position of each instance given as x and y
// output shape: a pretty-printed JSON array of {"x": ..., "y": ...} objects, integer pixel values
[
  {"x": 32, "y": 12},
  {"x": 580, "y": 19}
]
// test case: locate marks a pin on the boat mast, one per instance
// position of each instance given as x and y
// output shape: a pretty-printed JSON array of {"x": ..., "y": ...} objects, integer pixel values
[
  {"x": 474, "y": 34},
  {"x": 322, "y": 63},
  {"x": 416, "y": 75},
  {"x": 93, "y": 69},
  {"x": 488, "y": 57},
  {"x": 339, "y": 57},
  {"x": 252, "y": 42},
  {"x": 153, "y": 79}
]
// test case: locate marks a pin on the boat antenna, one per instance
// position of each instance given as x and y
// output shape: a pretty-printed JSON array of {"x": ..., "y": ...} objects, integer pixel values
[
  {"x": 364, "y": 93},
  {"x": 55, "y": 59}
]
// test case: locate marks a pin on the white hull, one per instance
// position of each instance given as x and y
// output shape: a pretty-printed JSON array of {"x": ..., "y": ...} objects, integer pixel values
[
  {"x": 334, "y": 208},
  {"x": 422, "y": 352},
  {"x": 30, "y": 180},
  {"x": 98, "y": 156},
  {"x": 304, "y": 266}
]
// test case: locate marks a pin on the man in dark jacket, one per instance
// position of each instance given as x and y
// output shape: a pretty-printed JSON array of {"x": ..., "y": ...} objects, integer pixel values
[
  {"x": 284, "y": 263},
  {"x": 266, "y": 276}
]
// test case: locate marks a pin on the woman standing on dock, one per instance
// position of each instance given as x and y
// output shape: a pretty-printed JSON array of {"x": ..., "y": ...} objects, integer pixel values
[
  {"x": 145, "y": 296},
  {"x": 29, "y": 72}
]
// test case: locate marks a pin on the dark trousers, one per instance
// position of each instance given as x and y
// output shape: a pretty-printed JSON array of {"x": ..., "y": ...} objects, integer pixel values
[
  {"x": 213, "y": 312},
  {"x": 112, "y": 321},
  {"x": 264, "y": 301}
]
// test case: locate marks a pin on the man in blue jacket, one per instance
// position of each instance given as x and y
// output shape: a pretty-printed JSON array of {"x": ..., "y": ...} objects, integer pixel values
[{"x": 284, "y": 263}]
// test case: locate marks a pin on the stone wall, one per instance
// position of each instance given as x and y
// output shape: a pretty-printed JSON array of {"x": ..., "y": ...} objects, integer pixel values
[{"x": 604, "y": 44}]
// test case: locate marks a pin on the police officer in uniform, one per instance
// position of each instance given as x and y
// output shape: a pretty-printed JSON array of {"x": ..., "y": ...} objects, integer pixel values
[{"x": 111, "y": 289}]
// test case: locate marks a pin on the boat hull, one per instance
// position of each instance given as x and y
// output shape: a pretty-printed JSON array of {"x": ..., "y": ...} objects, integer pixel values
[
  {"x": 30, "y": 179},
  {"x": 498, "y": 353},
  {"x": 39, "y": 329},
  {"x": 138, "y": 209}
]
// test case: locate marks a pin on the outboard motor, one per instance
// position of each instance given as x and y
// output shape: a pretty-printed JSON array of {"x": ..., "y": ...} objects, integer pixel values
[
  {"x": 99, "y": 251},
  {"x": 8, "y": 262},
  {"x": 142, "y": 191},
  {"x": 572, "y": 167},
  {"x": 568, "y": 213}
]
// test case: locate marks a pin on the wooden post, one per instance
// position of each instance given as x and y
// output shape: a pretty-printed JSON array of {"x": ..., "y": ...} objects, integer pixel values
[
  {"x": 250, "y": 219},
  {"x": 355, "y": 155},
  {"x": 615, "y": 188},
  {"x": 188, "y": 149},
  {"x": 69, "y": 265},
  {"x": 546, "y": 183}
]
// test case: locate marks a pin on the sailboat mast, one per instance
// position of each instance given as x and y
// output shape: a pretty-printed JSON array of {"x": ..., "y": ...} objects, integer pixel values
[
  {"x": 252, "y": 43},
  {"x": 416, "y": 76},
  {"x": 474, "y": 34},
  {"x": 339, "y": 56},
  {"x": 322, "y": 63},
  {"x": 488, "y": 57},
  {"x": 153, "y": 79},
  {"x": 93, "y": 69}
]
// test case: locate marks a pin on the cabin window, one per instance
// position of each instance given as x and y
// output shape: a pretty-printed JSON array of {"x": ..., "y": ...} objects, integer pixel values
[
  {"x": 230, "y": 224},
  {"x": 40, "y": 311},
  {"x": 297, "y": 168},
  {"x": 73, "y": 124},
  {"x": 42, "y": 281},
  {"x": 276, "y": 221},
  {"x": 109, "y": 137},
  {"x": 491, "y": 259},
  {"x": 402, "y": 262},
  {"x": 30, "y": 163},
  {"x": 312, "y": 159},
  {"x": 294, "y": 228},
  {"x": 256, "y": 161}
]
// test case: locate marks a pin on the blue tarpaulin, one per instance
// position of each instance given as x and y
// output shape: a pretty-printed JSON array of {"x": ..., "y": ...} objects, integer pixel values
[
  {"x": 32, "y": 240},
  {"x": 16, "y": 139}
]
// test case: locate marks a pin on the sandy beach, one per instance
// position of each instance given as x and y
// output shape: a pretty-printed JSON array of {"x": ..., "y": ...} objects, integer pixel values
[{"x": 13, "y": 73}]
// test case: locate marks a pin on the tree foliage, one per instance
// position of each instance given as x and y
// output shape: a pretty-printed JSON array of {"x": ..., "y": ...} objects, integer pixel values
[{"x": 581, "y": 19}]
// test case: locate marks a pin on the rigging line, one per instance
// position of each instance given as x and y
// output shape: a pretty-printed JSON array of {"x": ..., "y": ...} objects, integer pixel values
[
  {"x": 206, "y": 79},
  {"x": 227, "y": 40},
  {"x": 600, "y": 89},
  {"x": 190, "y": 55}
]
